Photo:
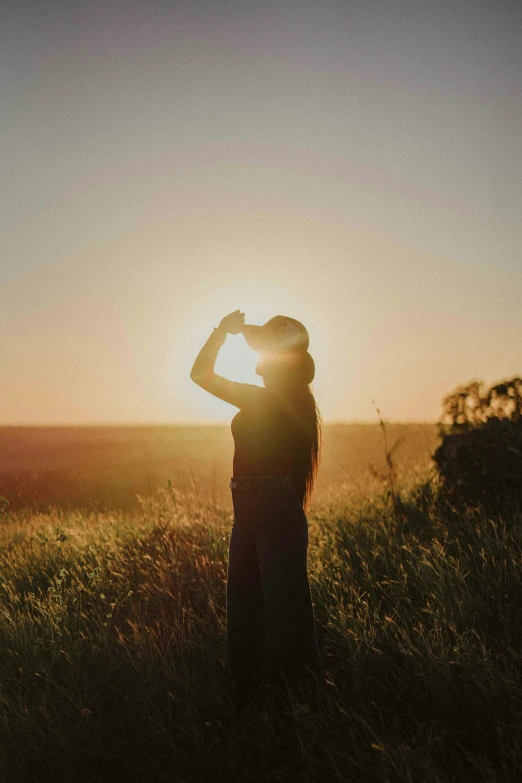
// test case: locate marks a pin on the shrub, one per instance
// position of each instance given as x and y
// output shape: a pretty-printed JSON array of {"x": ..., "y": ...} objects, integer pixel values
[{"x": 480, "y": 456}]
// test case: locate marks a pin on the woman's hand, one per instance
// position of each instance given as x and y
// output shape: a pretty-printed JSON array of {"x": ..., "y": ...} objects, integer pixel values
[{"x": 233, "y": 322}]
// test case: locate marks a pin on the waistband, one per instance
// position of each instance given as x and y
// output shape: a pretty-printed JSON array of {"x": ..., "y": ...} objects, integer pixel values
[{"x": 241, "y": 482}]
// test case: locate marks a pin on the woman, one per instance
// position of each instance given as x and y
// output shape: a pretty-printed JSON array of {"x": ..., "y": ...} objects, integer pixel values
[{"x": 270, "y": 622}]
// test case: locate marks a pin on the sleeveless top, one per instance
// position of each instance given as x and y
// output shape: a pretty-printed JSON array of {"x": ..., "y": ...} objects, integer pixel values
[{"x": 269, "y": 441}]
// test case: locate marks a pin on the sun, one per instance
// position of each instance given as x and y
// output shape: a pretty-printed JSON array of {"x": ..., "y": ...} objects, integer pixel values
[{"x": 237, "y": 361}]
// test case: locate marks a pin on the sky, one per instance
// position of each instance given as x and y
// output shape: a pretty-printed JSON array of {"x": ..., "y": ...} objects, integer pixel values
[{"x": 355, "y": 165}]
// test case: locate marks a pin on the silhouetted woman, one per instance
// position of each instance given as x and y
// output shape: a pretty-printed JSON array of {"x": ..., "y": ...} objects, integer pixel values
[{"x": 270, "y": 622}]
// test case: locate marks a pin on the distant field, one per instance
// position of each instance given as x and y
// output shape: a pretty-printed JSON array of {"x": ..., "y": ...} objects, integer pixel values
[{"x": 107, "y": 467}]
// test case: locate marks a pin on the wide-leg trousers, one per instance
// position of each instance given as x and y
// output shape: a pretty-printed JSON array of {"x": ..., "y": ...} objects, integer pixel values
[{"x": 270, "y": 622}]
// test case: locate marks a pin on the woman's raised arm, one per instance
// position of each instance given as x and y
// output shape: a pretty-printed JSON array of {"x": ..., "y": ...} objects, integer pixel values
[{"x": 202, "y": 373}]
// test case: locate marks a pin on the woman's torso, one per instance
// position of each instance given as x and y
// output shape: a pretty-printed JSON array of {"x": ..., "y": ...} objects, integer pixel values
[{"x": 268, "y": 439}]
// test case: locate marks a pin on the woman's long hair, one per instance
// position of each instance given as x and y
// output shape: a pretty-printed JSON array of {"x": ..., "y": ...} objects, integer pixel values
[
  {"x": 291, "y": 376},
  {"x": 305, "y": 470}
]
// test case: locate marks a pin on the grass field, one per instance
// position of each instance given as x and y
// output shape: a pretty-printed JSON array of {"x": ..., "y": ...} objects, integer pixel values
[{"x": 112, "y": 646}]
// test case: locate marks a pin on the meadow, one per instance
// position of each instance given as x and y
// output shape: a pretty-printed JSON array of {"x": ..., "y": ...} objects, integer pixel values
[
  {"x": 112, "y": 643},
  {"x": 107, "y": 468}
]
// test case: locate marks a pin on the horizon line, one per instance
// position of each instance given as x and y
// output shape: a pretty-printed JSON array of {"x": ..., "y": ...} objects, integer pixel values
[{"x": 218, "y": 423}]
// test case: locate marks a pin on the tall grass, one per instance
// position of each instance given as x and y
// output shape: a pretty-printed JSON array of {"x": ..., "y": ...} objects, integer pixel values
[{"x": 113, "y": 661}]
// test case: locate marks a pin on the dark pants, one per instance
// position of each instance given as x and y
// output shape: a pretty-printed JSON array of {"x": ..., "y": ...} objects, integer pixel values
[{"x": 270, "y": 621}]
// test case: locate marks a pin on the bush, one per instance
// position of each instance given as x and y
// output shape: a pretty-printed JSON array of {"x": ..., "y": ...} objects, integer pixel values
[{"x": 480, "y": 456}]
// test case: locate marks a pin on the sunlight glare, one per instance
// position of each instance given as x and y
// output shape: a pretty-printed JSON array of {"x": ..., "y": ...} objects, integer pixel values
[{"x": 237, "y": 361}]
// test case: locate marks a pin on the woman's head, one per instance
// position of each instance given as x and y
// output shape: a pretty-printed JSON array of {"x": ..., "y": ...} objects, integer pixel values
[
  {"x": 287, "y": 369},
  {"x": 283, "y": 345}
]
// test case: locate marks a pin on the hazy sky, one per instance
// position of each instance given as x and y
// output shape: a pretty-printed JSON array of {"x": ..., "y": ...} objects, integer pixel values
[{"x": 356, "y": 165}]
